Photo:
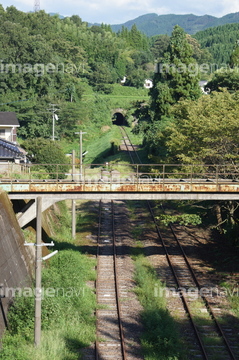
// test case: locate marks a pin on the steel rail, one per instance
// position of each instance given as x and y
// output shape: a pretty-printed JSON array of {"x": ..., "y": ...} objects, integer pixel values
[
  {"x": 209, "y": 308},
  {"x": 96, "y": 281},
  {"x": 123, "y": 131},
  {"x": 210, "y": 311},
  {"x": 173, "y": 271},
  {"x": 116, "y": 282},
  {"x": 185, "y": 303}
]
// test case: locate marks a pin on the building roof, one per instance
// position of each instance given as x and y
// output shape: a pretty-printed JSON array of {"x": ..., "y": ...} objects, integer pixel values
[
  {"x": 8, "y": 118},
  {"x": 9, "y": 150}
]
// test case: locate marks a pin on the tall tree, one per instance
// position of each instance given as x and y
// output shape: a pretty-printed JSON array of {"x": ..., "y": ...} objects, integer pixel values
[
  {"x": 177, "y": 77},
  {"x": 234, "y": 59},
  {"x": 204, "y": 131}
]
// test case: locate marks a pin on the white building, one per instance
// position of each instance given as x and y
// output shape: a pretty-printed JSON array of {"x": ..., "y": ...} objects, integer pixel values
[{"x": 148, "y": 84}]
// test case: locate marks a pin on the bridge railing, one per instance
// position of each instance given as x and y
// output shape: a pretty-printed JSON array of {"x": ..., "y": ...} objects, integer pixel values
[{"x": 117, "y": 173}]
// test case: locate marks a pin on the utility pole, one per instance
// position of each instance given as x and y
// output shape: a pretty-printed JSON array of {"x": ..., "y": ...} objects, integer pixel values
[
  {"x": 81, "y": 157},
  {"x": 73, "y": 219},
  {"x": 38, "y": 266},
  {"x": 73, "y": 203},
  {"x": 54, "y": 117},
  {"x": 38, "y": 269}
]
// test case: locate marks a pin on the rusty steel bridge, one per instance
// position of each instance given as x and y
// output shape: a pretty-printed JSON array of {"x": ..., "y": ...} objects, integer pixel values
[
  {"x": 114, "y": 182},
  {"x": 121, "y": 182}
]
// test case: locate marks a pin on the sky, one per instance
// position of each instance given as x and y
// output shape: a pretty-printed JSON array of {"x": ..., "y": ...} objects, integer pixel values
[{"x": 120, "y": 11}]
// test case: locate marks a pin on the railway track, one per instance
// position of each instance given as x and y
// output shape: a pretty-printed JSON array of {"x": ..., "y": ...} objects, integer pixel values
[
  {"x": 118, "y": 329},
  {"x": 208, "y": 339},
  {"x": 109, "y": 323},
  {"x": 212, "y": 338},
  {"x": 130, "y": 148}
]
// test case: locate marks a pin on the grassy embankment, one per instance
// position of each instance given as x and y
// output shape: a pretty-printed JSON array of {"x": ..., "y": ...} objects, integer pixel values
[
  {"x": 102, "y": 137},
  {"x": 68, "y": 306}
]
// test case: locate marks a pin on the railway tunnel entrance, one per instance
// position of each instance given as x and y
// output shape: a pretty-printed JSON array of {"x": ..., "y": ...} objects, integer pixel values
[{"x": 119, "y": 119}]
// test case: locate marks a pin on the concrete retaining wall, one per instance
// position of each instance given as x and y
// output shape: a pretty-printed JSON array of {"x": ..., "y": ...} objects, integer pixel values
[{"x": 16, "y": 260}]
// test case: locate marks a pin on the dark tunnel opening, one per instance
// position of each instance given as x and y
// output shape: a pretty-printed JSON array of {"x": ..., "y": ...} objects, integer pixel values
[{"x": 119, "y": 119}]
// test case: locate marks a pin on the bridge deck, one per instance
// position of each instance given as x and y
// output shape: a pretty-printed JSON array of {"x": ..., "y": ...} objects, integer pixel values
[
  {"x": 167, "y": 189},
  {"x": 120, "y": 181}
]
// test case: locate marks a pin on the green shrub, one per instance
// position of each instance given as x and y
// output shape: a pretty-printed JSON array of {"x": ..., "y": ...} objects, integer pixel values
[{"x": 68, "y": 323}]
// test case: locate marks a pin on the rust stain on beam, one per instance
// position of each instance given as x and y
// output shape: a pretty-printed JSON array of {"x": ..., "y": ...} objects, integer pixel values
[{"x": 163, "y": 187}]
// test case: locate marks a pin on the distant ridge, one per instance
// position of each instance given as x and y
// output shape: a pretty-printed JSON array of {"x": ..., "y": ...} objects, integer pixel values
[
  {"x": 153, "y": 24},
  {"x": 60, "y": 16}
]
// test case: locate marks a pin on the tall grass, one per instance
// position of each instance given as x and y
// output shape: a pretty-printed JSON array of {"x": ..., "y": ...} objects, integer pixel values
[
  {"x": 68, "y": 323},
  {"x": 160, "y": 340},
  {"x": 101, "y": 147}
]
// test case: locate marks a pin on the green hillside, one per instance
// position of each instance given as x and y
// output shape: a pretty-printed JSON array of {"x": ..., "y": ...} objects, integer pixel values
[
  {"x": 47, "y": 60},
  {"x": 219, "y": 41},
  {"x": 153, "y": 24}
]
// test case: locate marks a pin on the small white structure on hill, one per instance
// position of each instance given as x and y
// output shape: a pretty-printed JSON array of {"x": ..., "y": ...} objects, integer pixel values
[
  {"x": 123, "y": 81},
  {"x": 148, "y": 84},
  {"x": 202, "y": 85}
]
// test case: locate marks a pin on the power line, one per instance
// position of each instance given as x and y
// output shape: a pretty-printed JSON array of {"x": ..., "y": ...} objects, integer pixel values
[{"x": 12, "y": 102}]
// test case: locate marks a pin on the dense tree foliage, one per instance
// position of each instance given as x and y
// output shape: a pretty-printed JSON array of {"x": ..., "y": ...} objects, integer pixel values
[
  {"x": 46, "y": 152},
  {"x": 45, "y": 59},
  {"x": 220, "y": 42},
  {"x": 224, "y": 78},
  {"x": 177, "y": 76},
  {"x": 234, "y": 58},
  {"x": 160, "y": 44},
  {"x": 205, "y": 131}
]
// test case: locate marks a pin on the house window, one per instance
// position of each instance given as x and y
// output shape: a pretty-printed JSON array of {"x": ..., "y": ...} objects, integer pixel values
[{"x": 2, "y": 133}]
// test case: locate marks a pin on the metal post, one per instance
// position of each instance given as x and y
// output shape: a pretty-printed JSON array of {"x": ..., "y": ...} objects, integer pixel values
[
  {"x": 81, "y": 155},
  {"x": 137, "y": 176},
  {"x": 163, "y": 176},
  {"x": 191, "y": 179},
  {"x": 111, "y": 178},
  {"x": 73, "y": 218},
  {"x": 84, "y": 179},
  {"x": 38, "y": 265},
  {"x": 73, "y": 163},
  {"x": 53, "y": 126},
  {"x": 54, "y": 117}
]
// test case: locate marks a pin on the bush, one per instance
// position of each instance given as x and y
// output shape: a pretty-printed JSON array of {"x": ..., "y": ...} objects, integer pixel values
[
  {"x": 68, "y": 323},
  {"x": 48, "y": 153}
]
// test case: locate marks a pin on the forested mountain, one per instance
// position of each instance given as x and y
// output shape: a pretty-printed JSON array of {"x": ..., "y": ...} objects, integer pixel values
[
  {"x": 45, "y": 59},
  {"x": 153, "y": 24},
  {"x": 219, "y": 41}
]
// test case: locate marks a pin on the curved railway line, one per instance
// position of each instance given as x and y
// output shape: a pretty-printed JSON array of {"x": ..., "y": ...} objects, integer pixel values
[
  {"x": 208, "y": 340},
  {"x": 211, "y": 339}
]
